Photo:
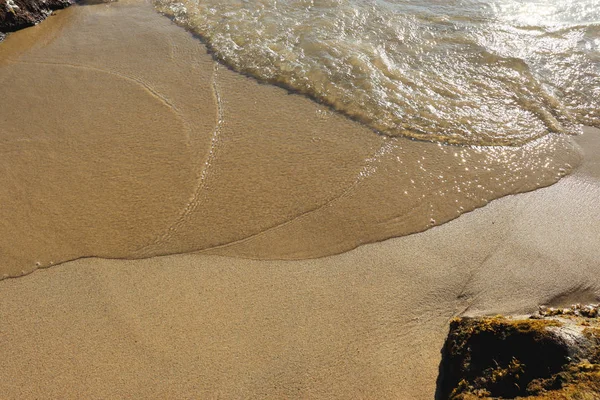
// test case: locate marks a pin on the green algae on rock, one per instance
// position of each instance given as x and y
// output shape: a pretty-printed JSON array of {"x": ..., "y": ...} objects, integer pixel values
[{"x": 544, "y": 356}]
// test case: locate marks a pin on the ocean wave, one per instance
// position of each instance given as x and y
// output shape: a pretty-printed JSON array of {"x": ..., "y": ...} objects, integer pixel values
[{"x": 478, "y": 72}]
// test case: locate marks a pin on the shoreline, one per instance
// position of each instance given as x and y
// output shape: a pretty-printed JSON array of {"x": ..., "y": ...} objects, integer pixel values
[
  {"x": 372, "y": 320},
  {"x": 228, "y": 153},
  {"x": 226, "y": 163},
  {"x": 20, "y": 14}
]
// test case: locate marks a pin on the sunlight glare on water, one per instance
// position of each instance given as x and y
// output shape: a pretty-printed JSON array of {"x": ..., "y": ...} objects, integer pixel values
[{"x": 485, "y": 72}]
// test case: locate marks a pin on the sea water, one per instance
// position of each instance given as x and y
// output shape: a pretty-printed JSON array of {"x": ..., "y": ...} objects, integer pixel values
[
  {"x": 485, "y": 72},
  {"x": 140, "y": 144}
]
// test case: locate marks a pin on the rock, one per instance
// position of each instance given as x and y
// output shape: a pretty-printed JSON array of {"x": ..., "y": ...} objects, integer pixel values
[
  {"x": 549, "y": 355},
  {"x": 590, "y": 311},
  {"x": 18, "y": 14}
]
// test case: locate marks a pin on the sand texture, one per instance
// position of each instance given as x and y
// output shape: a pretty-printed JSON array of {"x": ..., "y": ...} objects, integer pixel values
[
  {"x": 122, "y": 138},
  {"x": 369, "y": 323},
  {"x": 119, "y": 159}
]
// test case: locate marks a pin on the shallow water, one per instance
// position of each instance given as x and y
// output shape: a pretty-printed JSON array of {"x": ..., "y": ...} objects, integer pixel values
[
  {"x": 122, "y": 138},
  {"x": 487, "y": 72}
]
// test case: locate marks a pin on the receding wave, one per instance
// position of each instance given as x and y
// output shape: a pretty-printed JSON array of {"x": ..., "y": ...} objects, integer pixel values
[
  {"x": 495, "y": 72},
  {"x": 128, "y": 156}
]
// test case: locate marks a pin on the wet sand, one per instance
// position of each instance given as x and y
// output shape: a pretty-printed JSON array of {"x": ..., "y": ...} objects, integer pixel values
[
  {"x": 368, "y": 323},
  {"x": 221, "y": 152},
  {"x": 123, "y": 138}
]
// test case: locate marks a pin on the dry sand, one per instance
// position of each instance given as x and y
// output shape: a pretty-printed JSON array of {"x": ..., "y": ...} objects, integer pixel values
[{"x": 368, "y": 323}]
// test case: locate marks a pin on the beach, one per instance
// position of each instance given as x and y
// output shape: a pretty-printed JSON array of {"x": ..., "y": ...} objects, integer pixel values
[
  {"x": 369, "y": 323},
  {"x": 173, "y": 229}
]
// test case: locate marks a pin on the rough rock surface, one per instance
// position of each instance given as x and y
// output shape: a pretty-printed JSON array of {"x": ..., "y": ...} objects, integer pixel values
[
  {"x": 553, "y": 354},
  {"x": 18, "y": 14}
]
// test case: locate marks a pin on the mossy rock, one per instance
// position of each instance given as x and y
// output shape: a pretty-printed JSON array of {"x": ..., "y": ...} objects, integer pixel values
[{"x": 540, "y": 357}]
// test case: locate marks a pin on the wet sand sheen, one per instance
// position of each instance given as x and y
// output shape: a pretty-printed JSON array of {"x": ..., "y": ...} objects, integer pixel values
[
  {"x": 368, "y": 323},
  {"x": 141, "y": 145},
  {"x": 201, "y": 157}
]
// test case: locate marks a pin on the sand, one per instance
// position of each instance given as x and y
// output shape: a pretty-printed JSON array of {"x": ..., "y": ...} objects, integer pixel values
[
  {"x": 123, "y": 138},
  {"x": 367, "y": 323}
]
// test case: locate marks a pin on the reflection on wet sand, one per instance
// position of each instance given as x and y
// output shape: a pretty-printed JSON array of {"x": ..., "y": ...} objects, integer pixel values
[{"x": 138, "y": 145}]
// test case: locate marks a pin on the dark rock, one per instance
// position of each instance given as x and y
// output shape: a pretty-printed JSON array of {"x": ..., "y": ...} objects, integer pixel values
[
  {"x": 19, "y": 14},
  {"x": 549, "y": 355}
]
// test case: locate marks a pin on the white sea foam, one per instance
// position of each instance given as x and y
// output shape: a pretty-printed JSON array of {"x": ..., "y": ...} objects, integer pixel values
[{"x": 490, "y": 72}]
